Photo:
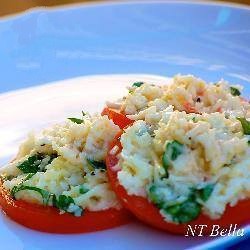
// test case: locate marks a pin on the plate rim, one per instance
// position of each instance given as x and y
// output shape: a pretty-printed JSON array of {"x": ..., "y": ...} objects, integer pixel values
[
  {"x": 212, "y": 243},
  {"x": 106, "y": 3}
]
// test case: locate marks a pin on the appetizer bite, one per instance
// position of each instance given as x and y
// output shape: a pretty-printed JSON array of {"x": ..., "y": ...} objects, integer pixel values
[
  {"x": 58, "y": 183},
  {"x": 189, "y": 169},
  {"x": 184, "y": 93}
]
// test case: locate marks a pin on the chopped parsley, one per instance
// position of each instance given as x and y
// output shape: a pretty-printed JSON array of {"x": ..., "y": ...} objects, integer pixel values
[
  {"x": 234, "y": 91},
  {"x": 137, "y": 84},
  {"x": 45, "y": 194},
  {"x": 67, "y": 204},
  {"x": 63, "y": 202},
  {"x": 77, "y": 120},
  {"x": 205, "y": 192},
  {"x": 245, "y": 125},
  {"x": 34, "y": 163}
]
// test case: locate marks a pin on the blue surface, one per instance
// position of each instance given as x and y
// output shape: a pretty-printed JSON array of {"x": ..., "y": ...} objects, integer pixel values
[
  {"x": 241, "y": 245},
  {"x": 211, "y": 41}
]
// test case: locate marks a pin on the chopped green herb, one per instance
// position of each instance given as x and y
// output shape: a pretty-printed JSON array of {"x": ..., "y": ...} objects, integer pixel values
[
  {"x": 27, "y": 177},
  {"x": 32, "y": 164},
  {"x": 45, "y": 194},
  {"x": 155, "y": 196},
  {"x": 173, "y": 150},
  {"x": 181, "y": 212},
  {"x": 194, "y": 119},
  {"x": 205, "y": 192},
  {"x": 96, "y": 164},
  {"x": 63, "y": 202},
  {"x": 83, "y": 189},
  {"x": 137, "y": 84},
  {"x": 76, "y": 120},
  {"x": 234, "y": 91},
  {"x": 184, "y": 212},
  {"x": 245, "y": 125}
]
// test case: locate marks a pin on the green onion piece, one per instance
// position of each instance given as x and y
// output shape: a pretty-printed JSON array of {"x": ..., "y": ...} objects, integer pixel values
[
  {"x": 184, "y": 212},
  {"x": 173, "y": 150},
  {"x": 234, "y": 91},
  {"x": 245, "y": 125},
  {"x": 155, "y": 196},
  {"x": 205, "y": 192},
  {"x": 83, "y": 189}
]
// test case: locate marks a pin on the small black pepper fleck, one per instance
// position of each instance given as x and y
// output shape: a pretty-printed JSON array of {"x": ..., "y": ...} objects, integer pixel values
[
  {"x": 198, "y": 99},
  {"x": 189, "y": 138},
  {"x": 92, "y": 173},
  {"x": 42, "y": 144}
]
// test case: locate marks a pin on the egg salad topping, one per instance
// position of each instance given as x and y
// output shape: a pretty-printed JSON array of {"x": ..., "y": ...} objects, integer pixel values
[
  {"x": 184, "y": 93},
  {"x": 63, "y": 166},
  {"x": 189, "y": 164}
]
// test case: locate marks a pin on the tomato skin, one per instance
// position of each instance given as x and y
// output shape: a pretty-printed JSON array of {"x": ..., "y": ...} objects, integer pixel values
[
  {"x": 48, "y": 219},
  {"x": 117, "y": 117},
  {"x": 149, "y": 213}
]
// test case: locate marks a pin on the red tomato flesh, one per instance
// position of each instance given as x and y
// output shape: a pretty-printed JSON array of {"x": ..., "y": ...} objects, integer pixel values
[
  {"x": 149, "y": 213},
  {"x": 48, "y": 219},
  {"x": 117, "y": 117}
]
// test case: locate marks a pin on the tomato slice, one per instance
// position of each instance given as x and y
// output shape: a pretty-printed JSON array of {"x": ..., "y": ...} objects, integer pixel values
[
  {"x": 149, "y": 213},
  {"x": 48, "y": 219},
  {"x": 117, "y": 117}
]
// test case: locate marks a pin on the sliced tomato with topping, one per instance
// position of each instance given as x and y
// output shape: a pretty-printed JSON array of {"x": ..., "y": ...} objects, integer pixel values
[
  {"x": 117, "y": 117},
  {"x": 48, "y": 219},
  {"x": 149, "y": 213}
]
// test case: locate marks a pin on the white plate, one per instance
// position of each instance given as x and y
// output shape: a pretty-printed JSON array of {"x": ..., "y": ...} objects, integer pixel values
[
  {"x": 34, "y": 108},
  {"x": 209, "y": 40}
]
